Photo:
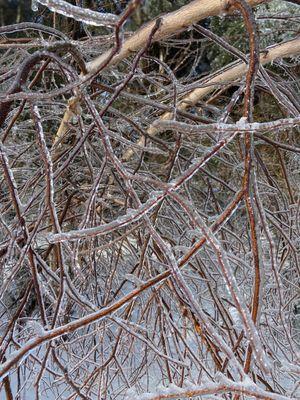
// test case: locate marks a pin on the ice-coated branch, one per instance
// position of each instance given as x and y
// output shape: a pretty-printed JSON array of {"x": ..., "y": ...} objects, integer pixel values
[
  {"x": 155, "y": 198},
  {"x": 89, "y": 17},
  {"x": 172, "y": 22},
  {"x": 241, "y": 126},
  {"x": 27, "y": 26},
  {"x": 127, "y": 251},
  {"x": 191, "y": 390},
  {"x": 230, "y": 73},
  {"x": 231, "y": 282}
]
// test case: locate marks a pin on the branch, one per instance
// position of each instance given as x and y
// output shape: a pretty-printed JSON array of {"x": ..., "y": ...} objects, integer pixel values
[
  {"x": 171, "y": 23},
  {"x": 230, "y": 73},
  {"x": 277, "y": 125},
  {"x": 225, "y": 385},
  {"x": 24, "y": 26},
  {"x": 85, "y": 15}
]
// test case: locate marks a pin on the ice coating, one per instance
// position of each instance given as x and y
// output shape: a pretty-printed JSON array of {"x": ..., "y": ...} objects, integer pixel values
[{"x": 84, "y": 15}]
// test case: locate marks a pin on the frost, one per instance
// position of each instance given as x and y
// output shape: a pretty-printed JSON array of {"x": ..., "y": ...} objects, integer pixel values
[
  {"x": 131, "y": 324},
  {"x": 247, "y": 382}
]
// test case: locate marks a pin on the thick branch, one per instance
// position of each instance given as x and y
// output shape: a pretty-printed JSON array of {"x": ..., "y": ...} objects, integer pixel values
[{"x": 171, "y": 23}]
